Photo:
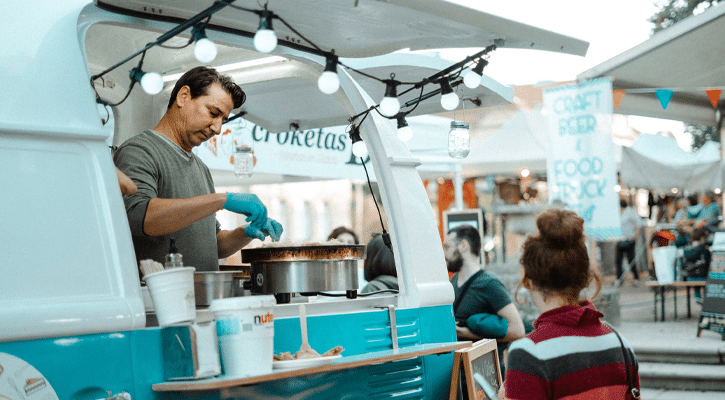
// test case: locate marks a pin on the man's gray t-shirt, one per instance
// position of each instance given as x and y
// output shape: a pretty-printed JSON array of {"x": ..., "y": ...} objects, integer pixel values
[{"x": 161, "y": 168}]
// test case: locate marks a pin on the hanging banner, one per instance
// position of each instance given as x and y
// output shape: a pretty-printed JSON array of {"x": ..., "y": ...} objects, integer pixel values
[
  {"x": 316, "y": 153},
  {"x": 581, "y": 171}
]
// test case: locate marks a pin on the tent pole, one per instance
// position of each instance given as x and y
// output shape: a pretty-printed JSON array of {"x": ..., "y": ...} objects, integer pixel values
[{"x": 458, "y": 187}]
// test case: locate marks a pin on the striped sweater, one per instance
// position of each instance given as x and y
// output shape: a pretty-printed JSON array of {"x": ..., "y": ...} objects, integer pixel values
[{"x": 570, "y": 355}]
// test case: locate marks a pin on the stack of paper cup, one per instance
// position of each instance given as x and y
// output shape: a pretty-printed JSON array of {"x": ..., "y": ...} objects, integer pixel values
[
  {"x": 245, "y": 327},
  {"x": 172, "y": 292}
]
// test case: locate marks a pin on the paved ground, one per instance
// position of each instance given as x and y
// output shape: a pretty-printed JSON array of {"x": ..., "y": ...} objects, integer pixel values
[{"x": 638, "y": 327}]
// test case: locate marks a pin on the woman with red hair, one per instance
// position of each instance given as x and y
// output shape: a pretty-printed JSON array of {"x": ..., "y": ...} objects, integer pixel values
[{"x": 571, "y": 354}]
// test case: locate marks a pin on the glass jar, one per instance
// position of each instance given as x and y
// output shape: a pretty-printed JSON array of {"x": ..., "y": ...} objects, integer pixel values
[
  {"x": 459, "y": 140},
  {"x": 243, "y": 161}
]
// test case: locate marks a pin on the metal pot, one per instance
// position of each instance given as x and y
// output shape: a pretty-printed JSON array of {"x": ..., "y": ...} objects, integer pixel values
[
  {"x": 211, "y": 285},
  {"x": 304, "y": 269}
]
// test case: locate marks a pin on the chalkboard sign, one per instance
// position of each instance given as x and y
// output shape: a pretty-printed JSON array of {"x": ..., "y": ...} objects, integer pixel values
[
  {"x": 712, "y": 316},
  {"x": 476, "y": 374}
]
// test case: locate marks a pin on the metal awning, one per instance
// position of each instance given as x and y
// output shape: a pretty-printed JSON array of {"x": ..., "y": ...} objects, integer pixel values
[
  {"x": 364, "y": 28},
  {"x": 688, "y": 58}
]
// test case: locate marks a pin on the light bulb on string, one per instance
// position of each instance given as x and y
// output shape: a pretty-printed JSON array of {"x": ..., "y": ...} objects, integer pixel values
[
  {"x": 390, "y": 105},
  {"x": 405, "y": 132},
  {"x": 204, "y": 50},
  {"x": 151, "y": 82},
  {"x": 265, "y": 40},
  {"x": 329, "y": 82},
  {"x": 449, "y": 99},
  {"x": 358, "y": 146},
  {"x": 473, "y": 78}
]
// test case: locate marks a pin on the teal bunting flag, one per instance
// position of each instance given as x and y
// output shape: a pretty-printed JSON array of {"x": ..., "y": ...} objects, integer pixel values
[{"x": 664, "y": 95}]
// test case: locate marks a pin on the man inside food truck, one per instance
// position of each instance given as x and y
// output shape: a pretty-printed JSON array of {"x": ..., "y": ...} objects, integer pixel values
[
  {"x": 482, "y": 307},
  {"x": 175, "y": 196}
]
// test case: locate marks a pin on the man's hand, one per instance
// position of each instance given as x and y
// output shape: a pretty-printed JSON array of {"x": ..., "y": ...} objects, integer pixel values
[
  {"x": 463, "y": 333},
  {"x": 273, "y": 229},
  {"x": 249, "y": 205}
]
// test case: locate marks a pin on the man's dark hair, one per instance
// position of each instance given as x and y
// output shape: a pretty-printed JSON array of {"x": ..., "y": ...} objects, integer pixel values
[
  {"x": 200, "y": 78},
  {"x": 469, "y": 234},
  {"x": 693, "y": 199},
  {"x": 623, "y": 203}
]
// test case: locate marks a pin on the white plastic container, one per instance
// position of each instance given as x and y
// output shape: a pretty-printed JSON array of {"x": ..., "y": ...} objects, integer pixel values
[
  {"x": 172, "y": 292},
  {"x": 245, "y": 328}
]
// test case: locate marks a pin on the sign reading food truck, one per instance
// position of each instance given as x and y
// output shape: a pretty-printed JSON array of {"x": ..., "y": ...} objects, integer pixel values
[{"x": 580, "y": 167}]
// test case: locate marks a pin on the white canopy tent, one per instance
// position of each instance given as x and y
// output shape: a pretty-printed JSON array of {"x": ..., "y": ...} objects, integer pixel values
[
  {"x": 656, "y": 162},
  {"x": 688, "y": 58},
  {"x": 522, "y": 142}
]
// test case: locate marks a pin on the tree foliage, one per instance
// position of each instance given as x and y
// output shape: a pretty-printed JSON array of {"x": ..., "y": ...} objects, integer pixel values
[{"x": 671, "y": 12}]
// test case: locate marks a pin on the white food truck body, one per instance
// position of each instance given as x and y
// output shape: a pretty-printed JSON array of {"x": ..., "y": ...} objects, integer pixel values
[{"x": 72, "y": 317}]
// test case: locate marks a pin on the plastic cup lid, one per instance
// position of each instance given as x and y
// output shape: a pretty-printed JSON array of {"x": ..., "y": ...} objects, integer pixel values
[{"x": 241, "y": 303}]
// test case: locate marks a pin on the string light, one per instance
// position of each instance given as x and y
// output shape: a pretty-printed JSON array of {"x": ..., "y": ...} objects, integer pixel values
[
  {"x": 405, "y": 132},
  {"x": 151, "y": 82},
  {"x": 449, "y": 100},
  {"x": 329, "y": 82},
  {"x": 473, "y": 78},
  {"x": 358, "y": 146},
  {"x": 265, "y": 40},
  {"x": 390, "y": 105},
  {"x": 204, "y": 50}
]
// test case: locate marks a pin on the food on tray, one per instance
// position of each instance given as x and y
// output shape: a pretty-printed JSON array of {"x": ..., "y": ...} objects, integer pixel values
[
  {"x": 285, "y": 356},
  {"x": 288, "y": 251}
]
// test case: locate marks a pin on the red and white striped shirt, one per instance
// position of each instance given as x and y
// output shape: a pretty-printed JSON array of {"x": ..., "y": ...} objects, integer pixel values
[{"x": 570, "y": 355}]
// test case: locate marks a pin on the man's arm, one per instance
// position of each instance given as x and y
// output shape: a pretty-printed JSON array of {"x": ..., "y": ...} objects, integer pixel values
[
  {"x": 165, "y": 216},
  {"x": 230, "y": 242},
  {"x": 516, "y": 325}
]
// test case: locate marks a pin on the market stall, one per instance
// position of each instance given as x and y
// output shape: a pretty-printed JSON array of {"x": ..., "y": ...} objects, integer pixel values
[{"x": 78, "y": 305}]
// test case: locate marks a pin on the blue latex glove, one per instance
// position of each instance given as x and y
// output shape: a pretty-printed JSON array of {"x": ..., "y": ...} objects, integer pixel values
[
  {"x": 253, "y": 232},
  {"x": 273, "y": 229},
  {"x": 249, "y": 205}
]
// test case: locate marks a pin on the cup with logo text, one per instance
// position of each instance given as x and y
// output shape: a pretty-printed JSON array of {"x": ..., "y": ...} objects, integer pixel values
[{"x": 245, "y": 328}]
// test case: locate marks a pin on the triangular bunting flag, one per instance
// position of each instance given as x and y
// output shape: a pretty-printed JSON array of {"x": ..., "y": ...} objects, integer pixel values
[
  {"x": 617, "y": 96},
  {"x": 714, "y": 96},
  {"x": 664, "y": 96}
]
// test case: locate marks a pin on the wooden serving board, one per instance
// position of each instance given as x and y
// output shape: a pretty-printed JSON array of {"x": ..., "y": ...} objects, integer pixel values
[{"x": 343, "y": 363}]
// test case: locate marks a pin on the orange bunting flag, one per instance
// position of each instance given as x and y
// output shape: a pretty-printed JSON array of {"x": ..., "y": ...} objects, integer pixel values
[
  {"x": 617, "y": 96},
  {"x": 714, "y": 96}
]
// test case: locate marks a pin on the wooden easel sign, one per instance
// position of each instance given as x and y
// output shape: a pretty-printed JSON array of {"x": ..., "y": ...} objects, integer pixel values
[
  {"x": 712, "y": 315},
  {"x": 476, "y": 373}
]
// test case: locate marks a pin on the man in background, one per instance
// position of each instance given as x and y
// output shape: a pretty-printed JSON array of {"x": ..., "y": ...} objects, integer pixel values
[
  {"x": 482, "y": 307},
  {"x": 631, "y": 222}
]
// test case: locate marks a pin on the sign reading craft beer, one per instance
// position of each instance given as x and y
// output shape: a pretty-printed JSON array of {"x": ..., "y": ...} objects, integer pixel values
[
  {"x": 580, "y": 167},
  {"x": 324, "y": 153}
]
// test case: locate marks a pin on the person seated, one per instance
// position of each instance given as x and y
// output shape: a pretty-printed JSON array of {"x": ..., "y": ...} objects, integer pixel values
[
  {"x": 379, "y": 267},
  {"x": 696, "y": 259},
  {"x": 344, "y": 234},
  {"x": 684, "y": 218}
]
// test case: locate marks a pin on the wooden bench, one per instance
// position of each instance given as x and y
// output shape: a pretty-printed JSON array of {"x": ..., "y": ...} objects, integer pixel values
[{"x": 660, "y": 289}]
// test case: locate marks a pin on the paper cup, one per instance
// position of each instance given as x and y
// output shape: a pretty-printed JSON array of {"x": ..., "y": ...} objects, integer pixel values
[
  {"x": 245, "y": 328},
  {"x": 172, "y": 292}
]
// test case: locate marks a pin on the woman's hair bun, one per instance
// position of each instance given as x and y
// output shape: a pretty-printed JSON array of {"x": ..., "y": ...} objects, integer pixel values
[{"x": 561, "y": 228}]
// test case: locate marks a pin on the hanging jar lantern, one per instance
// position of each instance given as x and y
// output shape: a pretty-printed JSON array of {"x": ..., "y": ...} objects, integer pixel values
[{"x": 459, "y": 139}]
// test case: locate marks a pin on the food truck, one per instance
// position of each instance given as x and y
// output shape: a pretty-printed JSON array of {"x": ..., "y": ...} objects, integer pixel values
[{"x": 73, "y": 323}]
